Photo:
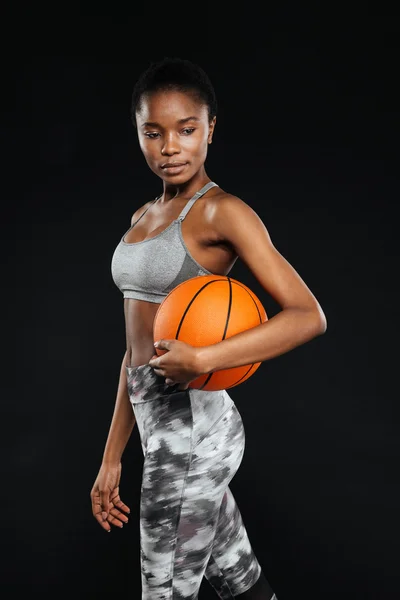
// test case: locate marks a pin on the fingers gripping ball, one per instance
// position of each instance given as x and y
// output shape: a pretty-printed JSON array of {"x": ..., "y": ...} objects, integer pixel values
[{"x": 205, "y": 310}]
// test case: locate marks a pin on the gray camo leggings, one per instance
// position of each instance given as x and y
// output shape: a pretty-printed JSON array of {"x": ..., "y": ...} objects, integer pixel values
[{"x": 190, "y": 525}]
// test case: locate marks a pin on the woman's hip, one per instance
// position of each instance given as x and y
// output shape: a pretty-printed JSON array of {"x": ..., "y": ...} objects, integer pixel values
[{"x": 162, "y": 410}]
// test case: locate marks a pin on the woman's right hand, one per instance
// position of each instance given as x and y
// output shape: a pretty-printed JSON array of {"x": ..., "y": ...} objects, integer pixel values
[{"x": 106, "y": 503}]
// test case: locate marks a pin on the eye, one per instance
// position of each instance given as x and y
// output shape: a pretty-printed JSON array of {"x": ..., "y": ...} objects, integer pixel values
[
  {"x": 188, "y": 130},
  {"x": 151, "y": 136}
]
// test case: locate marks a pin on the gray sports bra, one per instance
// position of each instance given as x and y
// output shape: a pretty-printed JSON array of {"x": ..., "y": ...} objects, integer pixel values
[{"x": 150, "y": 269}]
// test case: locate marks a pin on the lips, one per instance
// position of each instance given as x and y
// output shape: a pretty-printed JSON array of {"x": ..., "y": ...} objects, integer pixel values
[
  {"x": 172, "y": 165},
  {"x": 173, "y": 168}
]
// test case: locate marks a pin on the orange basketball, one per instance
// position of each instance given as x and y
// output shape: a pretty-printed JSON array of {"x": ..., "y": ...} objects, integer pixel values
[{"x": 205, "y": 310}]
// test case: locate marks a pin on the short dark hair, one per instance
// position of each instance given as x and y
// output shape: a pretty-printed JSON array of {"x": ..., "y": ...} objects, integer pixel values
[{"x": 175, "y": 74}]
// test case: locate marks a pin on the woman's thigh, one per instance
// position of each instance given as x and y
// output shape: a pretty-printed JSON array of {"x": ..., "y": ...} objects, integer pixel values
[
  {"x": 193, "y": 443},
  {"x": 185, "y": 477}
]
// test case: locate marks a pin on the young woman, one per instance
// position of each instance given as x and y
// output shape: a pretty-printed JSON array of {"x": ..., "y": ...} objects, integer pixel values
[{"x": 192, "y": 440}]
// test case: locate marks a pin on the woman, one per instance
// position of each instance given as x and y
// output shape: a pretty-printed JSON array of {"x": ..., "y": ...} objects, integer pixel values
[{"x": 192, "y": 440}]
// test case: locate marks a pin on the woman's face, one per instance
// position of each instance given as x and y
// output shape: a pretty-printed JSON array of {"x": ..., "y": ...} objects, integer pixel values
[{"x": 174, "y": 132}]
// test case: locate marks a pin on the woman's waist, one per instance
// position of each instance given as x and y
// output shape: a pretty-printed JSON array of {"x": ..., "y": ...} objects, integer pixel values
[
  {"x": 139, "y": 320},
  {"x": 139, "y": 345},
  {"x": 139, "y": 355}
]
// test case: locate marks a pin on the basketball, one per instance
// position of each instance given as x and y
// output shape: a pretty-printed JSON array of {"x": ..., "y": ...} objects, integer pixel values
[{"x": 205, "y": 310}]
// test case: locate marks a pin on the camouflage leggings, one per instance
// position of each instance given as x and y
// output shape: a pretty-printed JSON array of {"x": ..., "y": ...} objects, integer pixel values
[{"x": 190, "y": 526}]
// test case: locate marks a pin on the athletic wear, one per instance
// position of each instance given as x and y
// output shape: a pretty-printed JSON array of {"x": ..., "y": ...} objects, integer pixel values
[
  {"x": 190, "y": 525},
  {"x": 150, "y": 269},
  {"x": 193, "y": 443}
]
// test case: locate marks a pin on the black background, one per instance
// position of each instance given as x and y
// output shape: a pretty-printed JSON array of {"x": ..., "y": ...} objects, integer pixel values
[{"x": 306, "y": 134}]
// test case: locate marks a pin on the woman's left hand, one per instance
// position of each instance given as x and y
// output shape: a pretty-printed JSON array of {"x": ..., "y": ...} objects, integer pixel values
[{"x": 180, "y": 364}]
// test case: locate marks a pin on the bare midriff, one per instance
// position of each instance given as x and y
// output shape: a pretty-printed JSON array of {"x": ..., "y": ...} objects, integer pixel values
[{"x": 139, "y": 319}]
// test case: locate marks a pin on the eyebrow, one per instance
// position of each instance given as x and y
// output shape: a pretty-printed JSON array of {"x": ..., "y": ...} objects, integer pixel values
[{"x": 181, "y": 122}]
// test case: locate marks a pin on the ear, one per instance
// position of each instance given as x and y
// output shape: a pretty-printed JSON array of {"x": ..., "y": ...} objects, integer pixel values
[{"x": 211, "y": 129}]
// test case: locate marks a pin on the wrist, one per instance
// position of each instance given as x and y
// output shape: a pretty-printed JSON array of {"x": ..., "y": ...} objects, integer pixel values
[
  {"x": 111, "y": 461},
  {"x": 203, "y": 360}
]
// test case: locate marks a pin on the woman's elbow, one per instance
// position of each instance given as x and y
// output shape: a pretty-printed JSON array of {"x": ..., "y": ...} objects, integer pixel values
[{"x": 321, "y": 323}]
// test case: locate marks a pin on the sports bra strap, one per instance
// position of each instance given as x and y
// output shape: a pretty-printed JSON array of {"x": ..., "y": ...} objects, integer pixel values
[
  {"x": 193, "y": 199},
  {"x": 145, "y": 211}
]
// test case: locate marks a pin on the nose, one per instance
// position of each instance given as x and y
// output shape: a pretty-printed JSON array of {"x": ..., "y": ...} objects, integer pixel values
[{"x": 171, "y": 145}]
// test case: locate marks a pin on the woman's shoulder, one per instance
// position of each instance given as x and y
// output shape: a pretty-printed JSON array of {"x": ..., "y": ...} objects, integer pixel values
[
  {"x": 225, "y": 213},
  {"x": 223, "y": 202}
]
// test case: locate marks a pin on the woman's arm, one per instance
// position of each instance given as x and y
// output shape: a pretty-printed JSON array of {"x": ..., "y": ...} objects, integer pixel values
[
  {"x": 301, "y": 317},
  {"x": 122, "y": 423},
  {"x": 289, "y": 328}
]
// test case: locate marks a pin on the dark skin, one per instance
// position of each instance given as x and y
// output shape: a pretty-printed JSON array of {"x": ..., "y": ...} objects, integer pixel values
[
  {"x": 170, "y": 140},
  {"x": 174, "y": 127}
]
